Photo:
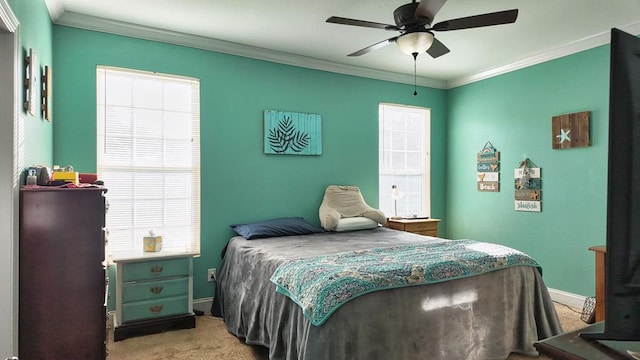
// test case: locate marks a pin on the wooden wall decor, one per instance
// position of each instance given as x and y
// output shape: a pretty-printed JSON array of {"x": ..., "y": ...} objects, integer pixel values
[
  {"x": 570, "y": 130},
  {"x": 46, "y": 93},
  {"x": 31, "y": 81},
  {"x": 488, "y": 169},
  {"x": 292, "y": 133},
  {"x": 528, "y": 187}
]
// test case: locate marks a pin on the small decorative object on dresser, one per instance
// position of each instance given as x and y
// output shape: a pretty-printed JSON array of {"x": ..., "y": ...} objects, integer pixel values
[
  {"x": 427, "y": 227},
  {"x": 153, "y": 293}
]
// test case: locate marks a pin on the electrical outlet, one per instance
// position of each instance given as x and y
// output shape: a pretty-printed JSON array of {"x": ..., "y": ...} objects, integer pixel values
[{"x": 211, "y": 275}]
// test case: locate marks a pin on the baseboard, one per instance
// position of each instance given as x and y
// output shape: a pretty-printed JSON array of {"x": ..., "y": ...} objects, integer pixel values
[
  {"x": 203, "y": 304},
  {"x": 566, "y": 298}
]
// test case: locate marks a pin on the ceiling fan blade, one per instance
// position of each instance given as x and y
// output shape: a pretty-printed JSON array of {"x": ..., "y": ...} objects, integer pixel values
[
  {"x": 429, "y": 8},
  {"x": 363, "y": 23},
  {"x": 496, "y": 18},
  {"x": 437, "y": 49},
  {"x": 375, "y": 46}
]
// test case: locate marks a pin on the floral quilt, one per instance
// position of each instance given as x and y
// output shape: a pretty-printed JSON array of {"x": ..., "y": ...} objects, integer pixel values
[{"x": 321, "y": 284}]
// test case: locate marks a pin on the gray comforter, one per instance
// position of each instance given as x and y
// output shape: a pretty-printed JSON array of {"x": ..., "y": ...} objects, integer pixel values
[{"x": 481, "y": 317}]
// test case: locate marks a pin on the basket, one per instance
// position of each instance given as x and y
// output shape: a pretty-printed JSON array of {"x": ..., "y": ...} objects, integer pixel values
[{"x": 588, "y": 310}]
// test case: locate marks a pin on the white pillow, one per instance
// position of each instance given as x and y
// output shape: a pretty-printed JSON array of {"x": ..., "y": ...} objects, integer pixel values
[{"x": 355, "y": 223}]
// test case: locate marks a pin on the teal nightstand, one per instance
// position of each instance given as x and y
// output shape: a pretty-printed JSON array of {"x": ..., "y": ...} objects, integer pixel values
[{"x": 153, "y": 294}]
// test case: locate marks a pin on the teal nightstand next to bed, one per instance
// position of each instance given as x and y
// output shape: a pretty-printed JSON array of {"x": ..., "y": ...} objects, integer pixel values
[{"x": 153, "y": 294}]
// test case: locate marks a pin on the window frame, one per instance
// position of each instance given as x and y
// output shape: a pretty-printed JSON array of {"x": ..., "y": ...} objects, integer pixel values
[
  {"x": 170, "y": 189},
  {"x": 385, "y": 131}
]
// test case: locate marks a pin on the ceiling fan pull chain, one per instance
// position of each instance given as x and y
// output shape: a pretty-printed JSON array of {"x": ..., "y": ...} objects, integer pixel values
[{"x": 415, "y": 90}]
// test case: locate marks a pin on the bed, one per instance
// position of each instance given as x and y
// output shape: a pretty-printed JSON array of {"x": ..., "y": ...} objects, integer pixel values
[{"x": 484, "y": 316}]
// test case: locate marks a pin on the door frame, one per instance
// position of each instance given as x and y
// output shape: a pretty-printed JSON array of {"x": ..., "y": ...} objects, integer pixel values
[{"x": 9, "y": 178}]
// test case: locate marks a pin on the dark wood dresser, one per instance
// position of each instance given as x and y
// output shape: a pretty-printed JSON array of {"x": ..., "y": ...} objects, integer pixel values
[{"x": 62, "y": 280}]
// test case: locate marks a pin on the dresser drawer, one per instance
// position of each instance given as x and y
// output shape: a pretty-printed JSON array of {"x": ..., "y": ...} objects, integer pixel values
[
  {"x": 155, "y": 269},
  {"x": 155, "y": 308},
  {"x": 143, "y": 290}
]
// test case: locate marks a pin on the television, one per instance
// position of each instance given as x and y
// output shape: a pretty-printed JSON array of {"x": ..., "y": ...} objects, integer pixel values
[{"x": 622, "y": 268}]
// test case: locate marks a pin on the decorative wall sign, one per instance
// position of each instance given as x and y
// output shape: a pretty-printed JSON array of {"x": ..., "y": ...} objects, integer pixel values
[
  {"x": 31, "y": 81},
  {"x": 488, "y": 166},
  {"x": 46, "y": 93},
  {"x": 292, "y": 133},
  {"x": 490, "y": 186},
  {"x": 488, "y": 169},
  {"x": 528, "y": 195},
  {"x": 489, "y": 176},
  {"x": 570, "y": 130},
  {"x": 528, "y": 187}
]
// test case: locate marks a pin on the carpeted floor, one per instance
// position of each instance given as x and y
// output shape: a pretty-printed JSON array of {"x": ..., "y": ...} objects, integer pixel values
[{"x": 211, "y": 341}]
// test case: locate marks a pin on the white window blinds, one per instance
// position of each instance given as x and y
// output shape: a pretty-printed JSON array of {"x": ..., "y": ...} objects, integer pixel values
[
  {"x": 148, "y": 128},
  {"x": 404, "y": 143}
]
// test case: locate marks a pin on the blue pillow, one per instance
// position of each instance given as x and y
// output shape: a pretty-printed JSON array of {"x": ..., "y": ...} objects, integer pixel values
[{"x": 276, "y": 227}]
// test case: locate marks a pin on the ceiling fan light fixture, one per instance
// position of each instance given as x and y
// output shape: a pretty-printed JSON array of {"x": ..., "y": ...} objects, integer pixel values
[{"x": 415, "y": 42}]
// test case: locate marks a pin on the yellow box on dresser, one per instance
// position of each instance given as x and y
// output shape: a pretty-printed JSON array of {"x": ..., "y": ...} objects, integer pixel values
[
  {"x": 428, "y": 227},
  {"x": 66, "y": 176}
]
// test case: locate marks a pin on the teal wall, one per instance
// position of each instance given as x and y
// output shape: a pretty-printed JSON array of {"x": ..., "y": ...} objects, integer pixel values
[
  {"x": 514, "y": 112},
  {"x": 35, "y": 33},
  {"x": 239, "y": 182}
]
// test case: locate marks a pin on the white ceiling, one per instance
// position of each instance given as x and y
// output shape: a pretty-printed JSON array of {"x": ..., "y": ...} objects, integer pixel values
[{"x": 295, "y": 31}]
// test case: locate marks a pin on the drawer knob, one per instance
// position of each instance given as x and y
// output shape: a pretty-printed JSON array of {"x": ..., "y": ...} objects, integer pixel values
[
  {"x": 156, "y": 269},
  {"x": 155, "y": 309},
  {"x": 156, "y": 289}
]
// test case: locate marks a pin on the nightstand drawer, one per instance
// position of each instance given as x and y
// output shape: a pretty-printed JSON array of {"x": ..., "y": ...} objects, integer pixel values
[
  {"x": 143, "y": 290},
  {"x": 428, "y": 227},
  {"x": 395, "y": 225},
  {"x": 420, "y": 226},
  {"x": 156, "y": 308},
  {"x": 433, "y": 232},
  {"x": 155, "y": 269}
]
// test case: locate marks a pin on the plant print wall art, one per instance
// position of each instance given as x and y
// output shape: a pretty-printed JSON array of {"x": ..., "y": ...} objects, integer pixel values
[{"x": 292, "y": 133}]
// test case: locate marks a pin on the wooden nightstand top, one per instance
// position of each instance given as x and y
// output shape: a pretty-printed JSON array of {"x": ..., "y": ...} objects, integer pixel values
[{"x": 411, "y": 220}]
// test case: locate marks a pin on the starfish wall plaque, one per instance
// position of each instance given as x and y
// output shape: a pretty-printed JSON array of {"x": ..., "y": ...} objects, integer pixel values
[{"x": 570, "y": 130}]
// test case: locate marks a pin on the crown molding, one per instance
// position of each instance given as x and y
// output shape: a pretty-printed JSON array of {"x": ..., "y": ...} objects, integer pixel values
[
  {"x": 71, "y": 19},
  {"x": 558, "y": 52},
  {"x": 8, "y": 20},
  {"x": 56, "y": 9},
  {"x": 199, "y": 42}
]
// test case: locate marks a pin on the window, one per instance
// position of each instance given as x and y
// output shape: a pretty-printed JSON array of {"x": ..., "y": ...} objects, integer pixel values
[
  {"x": 404, "y": 134},
  {"x": 148, "y": 128}
]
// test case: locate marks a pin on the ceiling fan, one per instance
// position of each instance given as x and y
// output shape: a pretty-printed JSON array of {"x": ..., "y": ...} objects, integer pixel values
[{"x": 413, "y": 21}]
